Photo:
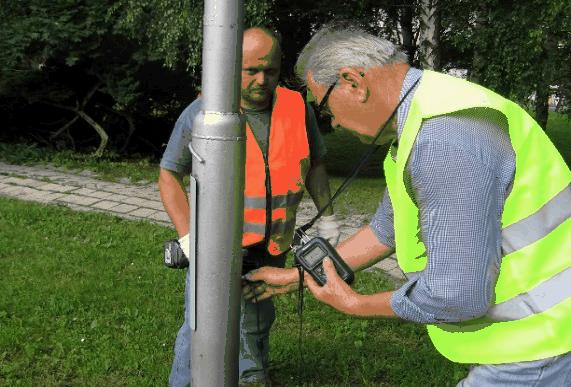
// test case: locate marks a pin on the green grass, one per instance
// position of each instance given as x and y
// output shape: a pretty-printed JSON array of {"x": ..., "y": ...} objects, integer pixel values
[
  {"x": 559, "y": 131},
  {"x": 344, "y": 151},
  {"x": 111, "y": 167},
  {"x": 362, "y": 197},
  {"x": 85, "y": 300}
]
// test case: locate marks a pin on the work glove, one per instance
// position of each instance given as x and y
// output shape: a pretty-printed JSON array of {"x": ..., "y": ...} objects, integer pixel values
[
  {"x": 328, "y": 228},
  {"x": 184, "y": 243},
  {"x": 177, "y": 252}
]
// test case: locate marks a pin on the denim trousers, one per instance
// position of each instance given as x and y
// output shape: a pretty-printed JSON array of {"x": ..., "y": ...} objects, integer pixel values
[
  {"x": 550, "y": 372},
  {"x": 256, "y": 320}
]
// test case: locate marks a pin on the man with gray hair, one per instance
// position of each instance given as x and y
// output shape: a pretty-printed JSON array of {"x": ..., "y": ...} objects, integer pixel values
[{"x": 477, "y": 206}]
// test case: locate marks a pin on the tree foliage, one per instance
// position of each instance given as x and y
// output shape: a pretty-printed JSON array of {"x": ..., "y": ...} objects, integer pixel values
[
  {"x": 71, "y": 69},
  {"x": 518, "y": 48}
]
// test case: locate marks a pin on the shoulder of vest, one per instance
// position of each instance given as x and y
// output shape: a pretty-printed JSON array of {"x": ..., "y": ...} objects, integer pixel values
[
  {"x": 440, "y": 93},
  {"x": 283, "y": 91}
]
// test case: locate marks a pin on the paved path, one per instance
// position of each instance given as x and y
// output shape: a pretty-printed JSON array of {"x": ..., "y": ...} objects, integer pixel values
[{"x": 84, "y": 192}]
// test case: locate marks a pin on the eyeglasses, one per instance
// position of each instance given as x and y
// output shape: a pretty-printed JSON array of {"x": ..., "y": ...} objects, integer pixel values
[{"x": 323, "y": 104}]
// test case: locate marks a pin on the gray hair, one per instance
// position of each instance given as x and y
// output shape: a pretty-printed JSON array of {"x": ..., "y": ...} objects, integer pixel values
[{"x": 334, "y": 47}]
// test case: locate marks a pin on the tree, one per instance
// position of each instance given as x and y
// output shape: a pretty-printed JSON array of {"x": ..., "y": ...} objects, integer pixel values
[
  {"x": 430, "y": 28},
  {"x": 72, "y": 57},
  {"x": 519, "y": 49}
]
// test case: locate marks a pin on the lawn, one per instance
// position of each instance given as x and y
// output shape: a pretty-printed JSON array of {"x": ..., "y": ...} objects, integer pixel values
[
  {"x": 85, "y": 300},
  {"x": 559, "y": 131}
]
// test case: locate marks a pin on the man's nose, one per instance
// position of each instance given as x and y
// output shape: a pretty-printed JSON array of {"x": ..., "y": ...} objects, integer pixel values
[{"x": 262, "y": 78}]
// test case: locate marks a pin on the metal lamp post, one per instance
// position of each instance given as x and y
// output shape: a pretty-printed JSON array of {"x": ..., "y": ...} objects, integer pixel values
[{"x": 217, "y": 201}]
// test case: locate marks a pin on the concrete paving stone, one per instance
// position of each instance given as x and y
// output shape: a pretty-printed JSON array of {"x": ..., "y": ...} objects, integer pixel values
[
  {"x": 46, "y": 198},
  {"x": 68, "y": 181},
  {"x": 149, "y": 191},
  {"x": 99, "y": 186},
  {"x": 105, "y": 205},
  {"x": 156, "y": 205},
  {"x": 132, "y": 192},
  {"x": 101, "y": 194},
  {"x": 117, "y": 198},
  {"x": 12, "y": 190},
  {"x": 387, "y": 264},
  {"x": 84, "y": 192},
  {"x": 56, "y": 187},
  {"x": 29, "y": 191},
  {"x": 3, "y": 185},
  {"x": 112, "y": 187},
  {"x": 79, "y": 200},
  {"x": 12, "y": 180},
  {"x": 155, "y": 197},
  {"x": 397, "y": 273},
  {"x": 135, "y": 201},
  {"x": 92, "y": 186},
  {"x": 123, "y": 208},
  {"x": 160, "y": 216},
  {"x": 35, "y": 183},
  {"x": 143, "y": 212}
]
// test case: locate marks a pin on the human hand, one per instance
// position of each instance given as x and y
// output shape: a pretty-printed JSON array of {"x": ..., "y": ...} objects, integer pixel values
[
  {"x": 328, "y": 228},
  {"x": 267, "y": 281},
  {"x": 335, "y": 292}
]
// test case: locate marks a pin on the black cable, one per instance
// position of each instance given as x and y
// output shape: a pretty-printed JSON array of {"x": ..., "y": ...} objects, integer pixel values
[
  {"x": 301, "y": 368},
  {"x": 309, "y": 224},
  {"x": 360, "y": 164}
]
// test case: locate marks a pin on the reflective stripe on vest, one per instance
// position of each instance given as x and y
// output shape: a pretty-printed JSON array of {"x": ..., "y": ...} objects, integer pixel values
[
  {"x": 278, "y": 227},
  {"x": 539, "y": 299},
  {"x": 531, "y": 314},
  {"x": 288, "y": 164},
  {"x": 536, "y": 226},
  {"x": 290, "y": 199}
]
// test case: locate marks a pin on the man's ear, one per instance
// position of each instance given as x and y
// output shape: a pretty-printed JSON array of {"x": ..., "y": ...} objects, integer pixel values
[{"x": 354, "y": 80}]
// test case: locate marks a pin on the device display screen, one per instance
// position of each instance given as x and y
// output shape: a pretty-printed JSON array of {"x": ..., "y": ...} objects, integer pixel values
[{"x": 314, "y": 255}]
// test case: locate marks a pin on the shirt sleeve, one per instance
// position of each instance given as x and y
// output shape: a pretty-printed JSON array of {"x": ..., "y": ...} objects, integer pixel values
[
  {"x": 177, "y": 157},
  {"x": 317, "y": 148},
  {"x": 460, "y": 225},
  {"x": 382, "y": 223}
]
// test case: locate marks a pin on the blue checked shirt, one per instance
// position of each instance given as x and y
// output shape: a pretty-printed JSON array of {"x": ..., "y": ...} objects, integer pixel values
[{"x": 459, "y": 174}]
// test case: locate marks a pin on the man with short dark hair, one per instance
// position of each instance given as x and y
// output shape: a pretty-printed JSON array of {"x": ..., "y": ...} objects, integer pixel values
[
  {"x": 284, "y": 152},
  {"x": 478, "y": 207}
]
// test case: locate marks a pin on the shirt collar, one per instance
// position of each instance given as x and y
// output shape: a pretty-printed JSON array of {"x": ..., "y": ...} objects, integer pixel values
[{"x": 412, "y": 75}]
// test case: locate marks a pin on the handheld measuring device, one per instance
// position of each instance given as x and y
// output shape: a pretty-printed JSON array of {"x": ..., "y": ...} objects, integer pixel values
[{"x": 310, "y": 253}]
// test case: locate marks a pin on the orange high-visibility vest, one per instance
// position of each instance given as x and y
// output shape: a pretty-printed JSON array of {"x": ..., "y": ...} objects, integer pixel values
[{"x": 287, "y": 164}]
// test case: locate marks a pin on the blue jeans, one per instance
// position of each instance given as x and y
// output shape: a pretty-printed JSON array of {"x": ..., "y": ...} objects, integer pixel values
[
  {"x": 550, "y": 372},
  {"x": 255, "y": 323}
]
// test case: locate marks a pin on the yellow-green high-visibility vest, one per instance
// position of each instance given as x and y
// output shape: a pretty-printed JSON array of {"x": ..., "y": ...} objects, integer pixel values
[{"x": 530, "y": 318}]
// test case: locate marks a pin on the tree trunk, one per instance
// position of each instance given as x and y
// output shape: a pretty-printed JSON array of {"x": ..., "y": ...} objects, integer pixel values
[
  {"x": 542, "y": 104},
  {"x": 405, "y": 17},
  {"x": 478, "y": 61},
  {"x": 430, "y": 34},
  {"x": 99, "y": 129},
  {"x": 547, "y": 71},
  {"x": 79, "y": 110},
  {"x": 132, "y": 128}
]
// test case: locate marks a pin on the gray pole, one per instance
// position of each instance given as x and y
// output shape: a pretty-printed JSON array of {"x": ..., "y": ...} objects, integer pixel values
[{"x": 217, "y": 201}]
